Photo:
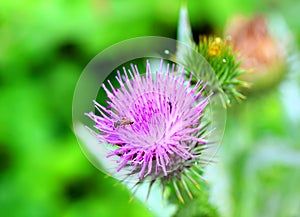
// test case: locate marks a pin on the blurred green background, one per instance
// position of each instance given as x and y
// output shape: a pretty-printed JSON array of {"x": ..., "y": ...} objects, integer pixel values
[{"x": 44, "y": 46}]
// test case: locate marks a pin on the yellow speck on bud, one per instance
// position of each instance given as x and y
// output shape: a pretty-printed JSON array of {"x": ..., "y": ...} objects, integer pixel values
[{"x": 215, "y": 47}]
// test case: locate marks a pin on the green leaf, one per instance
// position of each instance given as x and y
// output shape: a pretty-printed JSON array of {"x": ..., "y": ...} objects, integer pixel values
[{"x": 184, "y": 33}]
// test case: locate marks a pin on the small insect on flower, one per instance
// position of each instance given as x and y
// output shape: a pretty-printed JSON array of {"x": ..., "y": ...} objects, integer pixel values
[
  {"x": 123, "y": 122},
  {"x": 170, "y": 106},
  {"x": 155, "y": 122}
]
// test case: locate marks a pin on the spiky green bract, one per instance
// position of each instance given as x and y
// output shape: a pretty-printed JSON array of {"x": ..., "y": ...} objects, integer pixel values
[
  {"x": 223, "y": 60},
  {"x": 198, "y": 207}
]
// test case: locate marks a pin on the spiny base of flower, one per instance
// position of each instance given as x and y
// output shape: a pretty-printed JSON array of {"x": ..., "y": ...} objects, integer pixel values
[{"x": 183, "y": 183}]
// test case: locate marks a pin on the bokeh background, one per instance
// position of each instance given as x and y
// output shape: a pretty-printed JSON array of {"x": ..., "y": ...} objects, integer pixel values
[{"x": 45, "y": 45}]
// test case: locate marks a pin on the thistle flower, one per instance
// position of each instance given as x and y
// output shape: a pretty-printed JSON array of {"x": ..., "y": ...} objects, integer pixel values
[
  {"x": 220, "y": 56},
  {"x": 154, "y": 123},
  {"x": 223, "y": 60}
]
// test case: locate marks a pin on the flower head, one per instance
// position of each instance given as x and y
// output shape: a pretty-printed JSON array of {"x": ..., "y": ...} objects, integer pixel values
[
  {"x": 261, "y": 54},
  {"x": 154, "y": 122}
]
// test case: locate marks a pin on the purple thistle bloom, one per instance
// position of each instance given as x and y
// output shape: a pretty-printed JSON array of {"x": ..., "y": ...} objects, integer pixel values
[{"x": 153, "y": 120}]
